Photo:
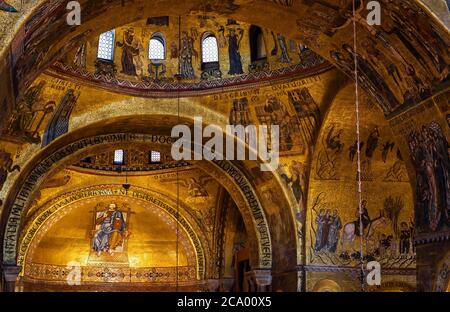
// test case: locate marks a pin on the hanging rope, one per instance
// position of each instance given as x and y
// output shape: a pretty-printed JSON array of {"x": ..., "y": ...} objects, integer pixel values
[
  {"x": 177, "y": 167},
  {"x": 358, "y": 139}
]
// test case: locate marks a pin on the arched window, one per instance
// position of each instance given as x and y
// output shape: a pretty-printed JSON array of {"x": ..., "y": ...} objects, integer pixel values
[
  {"x": 257, "y": 44},
  {"x": 119, "y": 157},
  {"x": 157, "y": 48},
  {"x": 155, "y": 157},
  {"x": 106, "y": 46},
  {"x": 210, "y": 49}
]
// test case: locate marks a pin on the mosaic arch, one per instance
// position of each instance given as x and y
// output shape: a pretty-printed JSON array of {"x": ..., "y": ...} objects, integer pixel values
[
  {"x": 56, "y": 205},
  {"x": 255, "y": 217}
]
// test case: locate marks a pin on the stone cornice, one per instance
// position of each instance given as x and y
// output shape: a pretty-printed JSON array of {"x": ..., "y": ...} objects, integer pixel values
[{"x": 428, "y": 238}]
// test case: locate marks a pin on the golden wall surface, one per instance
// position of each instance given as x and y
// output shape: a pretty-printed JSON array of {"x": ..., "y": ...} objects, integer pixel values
[{"x": 57, "y": 91}]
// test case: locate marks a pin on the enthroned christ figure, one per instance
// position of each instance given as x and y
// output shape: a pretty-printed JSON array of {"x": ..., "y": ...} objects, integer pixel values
[{"x": 112, "y": 230}]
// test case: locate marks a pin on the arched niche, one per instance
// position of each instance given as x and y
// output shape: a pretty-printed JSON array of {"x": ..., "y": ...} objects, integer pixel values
[
  {"x": 68, "y": 152},
  {"x": 193, "y": 247},
  {"x": 332, "y": 208}
]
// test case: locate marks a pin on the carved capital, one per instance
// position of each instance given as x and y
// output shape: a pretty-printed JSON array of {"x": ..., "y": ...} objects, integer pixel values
[
  {"x": 227, "y": 284},
  {"x": 213, "y": 285},
  {"x": 262, "y": 279},
  {"x": 9, "y": 276},
  {"x": 10, "y": 273}
]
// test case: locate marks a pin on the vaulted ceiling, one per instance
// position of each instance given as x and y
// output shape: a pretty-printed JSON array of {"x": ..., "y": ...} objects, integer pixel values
[{"x": 61, "y": 119}]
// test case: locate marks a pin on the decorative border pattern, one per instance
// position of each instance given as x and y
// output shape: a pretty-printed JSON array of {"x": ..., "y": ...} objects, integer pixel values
[
  {"x": 152, "y": 275},
  {"x": 443, "y": 276},
  {"x": 175, "y": 89},
  {"x": 144, "y": 168},
  {"x": 337, "y": 269},
  {"x": 427, "y": 238}
]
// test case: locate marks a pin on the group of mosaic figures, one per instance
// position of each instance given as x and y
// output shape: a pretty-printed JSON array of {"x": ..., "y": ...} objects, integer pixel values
[{"x": 377, "y": 243}]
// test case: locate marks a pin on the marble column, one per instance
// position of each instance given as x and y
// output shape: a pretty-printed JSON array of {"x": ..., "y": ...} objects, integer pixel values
[
  {"x": 202, "y": 286},
  {"x": 226, "y": 284},
  {"x": 213, "y": 285},
  {"x": 262, "y": 280},
  {"x": 301, "y": 279},
  {"x": 9, "y": 277},
  {"x": 430, "y": 260}
]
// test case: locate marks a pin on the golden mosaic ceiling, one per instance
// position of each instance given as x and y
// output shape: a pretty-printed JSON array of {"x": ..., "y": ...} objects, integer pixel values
[
  {"x": 63, "y": 115},
  {"x": 163, "y": 78}
]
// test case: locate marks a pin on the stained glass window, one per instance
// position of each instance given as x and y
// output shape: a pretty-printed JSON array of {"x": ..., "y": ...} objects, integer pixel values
[
  {"x": 106, "y": 45},
  {"x": 156, "y": 49},
  {"x": 118, "y": 157},
  {"x": 155, "y": 157},
  {"x": 210, "y": 51}
]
